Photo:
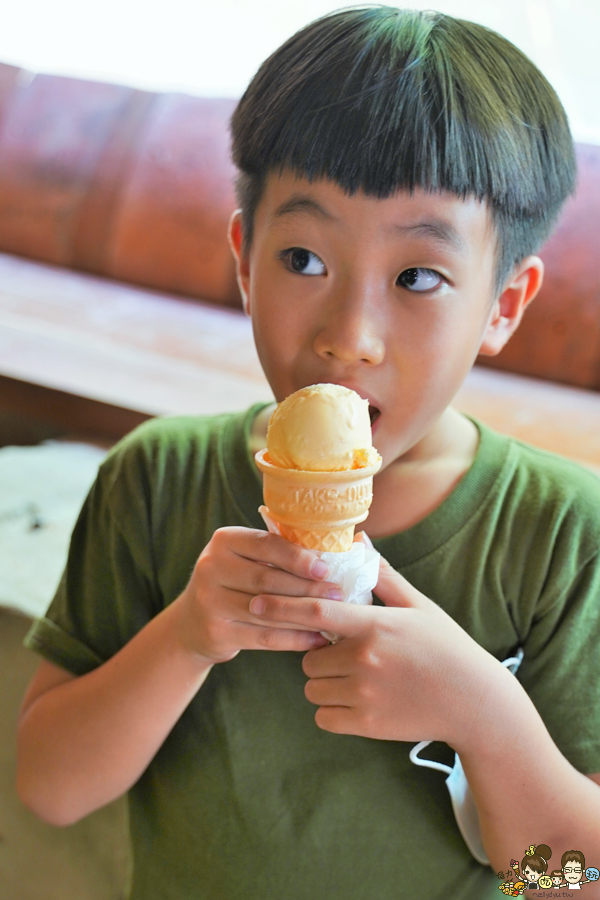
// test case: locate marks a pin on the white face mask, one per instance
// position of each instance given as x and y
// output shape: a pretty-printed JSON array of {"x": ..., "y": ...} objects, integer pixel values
[{"x": 463, "y": 804}]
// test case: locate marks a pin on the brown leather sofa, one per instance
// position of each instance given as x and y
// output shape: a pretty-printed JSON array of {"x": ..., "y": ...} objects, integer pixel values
[{"x": 137, "y": 187}]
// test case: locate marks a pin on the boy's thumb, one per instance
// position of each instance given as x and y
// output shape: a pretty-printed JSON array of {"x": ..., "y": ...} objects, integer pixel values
[
  {"x": 394, "y": 590},
  {"x": 392, "y": 587}
]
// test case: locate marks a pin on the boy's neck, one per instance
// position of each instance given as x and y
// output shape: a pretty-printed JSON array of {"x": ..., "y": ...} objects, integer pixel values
[{"x": 411, "y": 487}]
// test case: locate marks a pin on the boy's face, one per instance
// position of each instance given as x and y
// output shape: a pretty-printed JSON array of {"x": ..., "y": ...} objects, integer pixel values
[{"x": 391, "y": 298}]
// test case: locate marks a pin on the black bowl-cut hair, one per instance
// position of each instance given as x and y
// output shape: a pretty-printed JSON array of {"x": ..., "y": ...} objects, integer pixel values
[{"x": 380, "y": 99}]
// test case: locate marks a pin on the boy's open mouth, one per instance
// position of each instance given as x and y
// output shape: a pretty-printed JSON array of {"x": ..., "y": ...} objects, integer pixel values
[{"x": 374, "y": 414}]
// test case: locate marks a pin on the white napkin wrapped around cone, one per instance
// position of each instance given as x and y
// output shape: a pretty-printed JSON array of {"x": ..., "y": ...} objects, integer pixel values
[{"x": 355, "y": 570}]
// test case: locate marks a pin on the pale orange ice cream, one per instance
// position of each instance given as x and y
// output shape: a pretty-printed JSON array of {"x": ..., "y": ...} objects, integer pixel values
[{"x": 321, "y": 428}]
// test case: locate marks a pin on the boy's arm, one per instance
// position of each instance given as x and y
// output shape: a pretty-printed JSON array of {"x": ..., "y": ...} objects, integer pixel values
[
  {"x": 547, "y": 799},
  {"x": 84, "y": 741},
  {"x": 408, "y": 672}
]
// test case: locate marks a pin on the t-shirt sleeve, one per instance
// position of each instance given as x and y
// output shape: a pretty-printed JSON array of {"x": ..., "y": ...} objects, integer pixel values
[
  {"x": 108, "y": 591},
  {"x": 561, "y": 664}
]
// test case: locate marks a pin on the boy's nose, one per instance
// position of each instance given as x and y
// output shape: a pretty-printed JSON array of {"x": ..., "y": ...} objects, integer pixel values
[{"x": 350, "y": 333}]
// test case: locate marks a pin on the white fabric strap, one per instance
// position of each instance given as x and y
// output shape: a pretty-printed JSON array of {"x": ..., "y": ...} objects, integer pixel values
[{"x": 463, "y": 804}]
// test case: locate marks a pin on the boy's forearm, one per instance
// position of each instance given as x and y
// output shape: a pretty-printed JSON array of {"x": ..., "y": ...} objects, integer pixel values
[
  {"x": 524, "y": 788},
  {"x": 87, "y": 741}
]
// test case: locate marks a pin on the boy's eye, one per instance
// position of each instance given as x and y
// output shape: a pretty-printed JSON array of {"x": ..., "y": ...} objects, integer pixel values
[
  {"x": 303, "y": 261},
  {"x": 419, "y": 279}
]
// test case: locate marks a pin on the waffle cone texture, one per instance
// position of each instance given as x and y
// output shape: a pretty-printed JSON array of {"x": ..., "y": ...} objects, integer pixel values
[{"x": 318, "y": 510}]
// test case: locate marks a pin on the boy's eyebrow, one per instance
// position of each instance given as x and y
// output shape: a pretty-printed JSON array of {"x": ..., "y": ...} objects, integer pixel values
[
  {"x": 302, "y": 203},
  {"x": 439, "y": 229},
  {"x": 442, "y": 231}
]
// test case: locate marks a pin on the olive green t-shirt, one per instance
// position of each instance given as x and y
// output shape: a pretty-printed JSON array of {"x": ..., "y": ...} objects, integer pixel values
[{"x": 247, "y": 798}]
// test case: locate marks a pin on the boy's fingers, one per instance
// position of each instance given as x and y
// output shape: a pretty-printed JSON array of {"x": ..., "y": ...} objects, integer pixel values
[
  {"x": 262, "y": 637},
  {"x": 236, "y": 611},
  {"x": 337, "y": 691},
  {"x": 346, "y": 619},
  {"x": 255, "y": 578},
  {"x": 261, "y": 546},
  {"x": 337, "y": 719},
  {"x": 330, "y": 664}
]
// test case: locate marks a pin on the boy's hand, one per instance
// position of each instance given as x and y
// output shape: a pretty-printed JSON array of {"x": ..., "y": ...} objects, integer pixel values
[
  {"x": 235, "y": 565},
  {"x": 404, "y": 672}
]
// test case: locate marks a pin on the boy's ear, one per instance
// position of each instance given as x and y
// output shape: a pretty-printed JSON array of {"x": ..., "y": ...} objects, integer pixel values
[
  {"x": 509, "y": 307},
  {"x": 242, "y": 263}
]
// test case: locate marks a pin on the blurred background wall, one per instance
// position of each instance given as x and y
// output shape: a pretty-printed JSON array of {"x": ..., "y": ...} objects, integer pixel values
[{"x": 213, "y": 48}]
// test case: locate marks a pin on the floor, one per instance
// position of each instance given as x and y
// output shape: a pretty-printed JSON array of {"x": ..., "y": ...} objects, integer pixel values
[
  {"x": 86, "y": 861},
  {"x": 41, "y": 490}
]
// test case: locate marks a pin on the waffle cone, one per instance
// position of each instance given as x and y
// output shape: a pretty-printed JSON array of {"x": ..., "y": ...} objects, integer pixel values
[{"x": 318, "y": 510}]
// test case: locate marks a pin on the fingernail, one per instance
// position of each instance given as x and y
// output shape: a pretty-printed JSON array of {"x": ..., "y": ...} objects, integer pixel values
[
  {"x": 257, "y": 606},
  {"x": 319, "y": 569},
  {"x": 335, "y": 594}
]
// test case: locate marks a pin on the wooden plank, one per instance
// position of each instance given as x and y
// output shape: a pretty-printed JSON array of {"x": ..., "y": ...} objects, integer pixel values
[
  {"x": 87, "y": 365},
  {"x": 124, "y": 346}
]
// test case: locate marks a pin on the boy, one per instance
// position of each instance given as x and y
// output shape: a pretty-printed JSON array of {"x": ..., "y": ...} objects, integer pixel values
[{"x": 398, "y": 172}]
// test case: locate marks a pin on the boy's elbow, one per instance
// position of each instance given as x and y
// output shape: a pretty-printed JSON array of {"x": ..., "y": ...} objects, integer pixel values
[{"x": 49, "y": 809}]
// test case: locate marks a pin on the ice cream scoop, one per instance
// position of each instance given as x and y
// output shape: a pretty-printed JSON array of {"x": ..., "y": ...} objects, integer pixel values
[
  {"x": 321, "y": 428},
  {"x": 318, "y": 467}
]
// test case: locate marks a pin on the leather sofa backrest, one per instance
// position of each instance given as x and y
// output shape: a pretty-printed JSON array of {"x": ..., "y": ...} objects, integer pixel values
[{"x": 130, "y": 184}]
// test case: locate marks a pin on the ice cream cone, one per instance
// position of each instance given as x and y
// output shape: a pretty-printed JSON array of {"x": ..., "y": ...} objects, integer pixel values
[{"x": 318, "y": 510}]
